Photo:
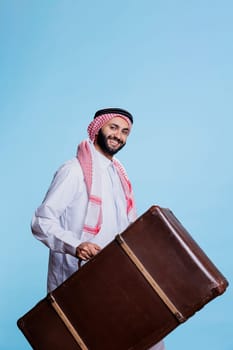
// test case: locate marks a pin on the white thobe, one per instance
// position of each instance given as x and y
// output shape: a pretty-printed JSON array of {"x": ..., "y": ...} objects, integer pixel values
[{"x": 59, "y": 220}]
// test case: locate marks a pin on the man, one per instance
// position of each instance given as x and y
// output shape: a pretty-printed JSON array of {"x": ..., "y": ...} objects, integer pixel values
[{"x": 90, "y": 199}]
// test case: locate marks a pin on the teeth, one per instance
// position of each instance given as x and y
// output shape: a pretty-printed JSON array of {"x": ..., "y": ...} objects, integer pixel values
[{"x": 114, "y": 142}]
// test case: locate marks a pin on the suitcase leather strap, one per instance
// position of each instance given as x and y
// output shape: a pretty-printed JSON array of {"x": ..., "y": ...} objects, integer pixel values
[
  {"x": 150, "y": 279},
  {"x": 67, "y": 322}
]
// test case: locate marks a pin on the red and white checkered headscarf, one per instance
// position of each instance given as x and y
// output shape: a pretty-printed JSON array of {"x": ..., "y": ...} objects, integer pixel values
[
  {"x": 101, "y": 120},
  {"x": 92, "y": 175}
]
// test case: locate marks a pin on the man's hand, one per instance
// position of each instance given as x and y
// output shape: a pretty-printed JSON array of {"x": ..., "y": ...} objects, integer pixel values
[{"x": 87, "y": 250}]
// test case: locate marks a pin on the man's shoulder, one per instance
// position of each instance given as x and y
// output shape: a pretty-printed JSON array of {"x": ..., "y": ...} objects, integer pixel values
[{"x": 71, "y": 166}]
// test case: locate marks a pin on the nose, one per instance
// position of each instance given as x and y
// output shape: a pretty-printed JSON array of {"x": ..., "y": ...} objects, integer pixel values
[{"x": 117, "y": 134}]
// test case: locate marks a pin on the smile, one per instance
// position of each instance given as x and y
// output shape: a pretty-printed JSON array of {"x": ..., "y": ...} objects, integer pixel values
[{"x": 114, "y": 142}]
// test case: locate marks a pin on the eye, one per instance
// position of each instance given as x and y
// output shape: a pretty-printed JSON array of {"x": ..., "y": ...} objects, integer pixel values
[{"x": 125, "y": 132}]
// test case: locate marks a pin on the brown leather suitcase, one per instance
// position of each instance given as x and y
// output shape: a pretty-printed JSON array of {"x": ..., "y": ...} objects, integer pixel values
[{"x": 138, "y": 289}]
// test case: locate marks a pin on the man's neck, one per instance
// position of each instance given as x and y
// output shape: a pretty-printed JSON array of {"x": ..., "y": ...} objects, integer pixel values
[{"x": 99, "y": 149}]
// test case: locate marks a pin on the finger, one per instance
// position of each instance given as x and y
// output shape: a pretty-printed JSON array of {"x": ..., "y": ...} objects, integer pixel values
[
  {"x": 94, "y": 250},
  {"x": 87, "y": 250},
  {"x": 82, "y": 254},
  {"x": 86, "y": 253}
]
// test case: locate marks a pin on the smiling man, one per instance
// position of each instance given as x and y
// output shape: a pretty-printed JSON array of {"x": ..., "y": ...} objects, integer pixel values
[{"x": 90, "y": 199}]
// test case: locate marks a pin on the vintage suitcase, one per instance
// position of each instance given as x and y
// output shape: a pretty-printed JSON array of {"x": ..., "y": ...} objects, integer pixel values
[{"x": 139, "y": 288}]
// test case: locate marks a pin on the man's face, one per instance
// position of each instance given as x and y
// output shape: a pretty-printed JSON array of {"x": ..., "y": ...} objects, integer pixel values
[{"x": 112, "y": 136}]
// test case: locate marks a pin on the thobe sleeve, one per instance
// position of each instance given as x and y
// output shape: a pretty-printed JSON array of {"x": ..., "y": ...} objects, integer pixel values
[{"x": 46, "y": 223}]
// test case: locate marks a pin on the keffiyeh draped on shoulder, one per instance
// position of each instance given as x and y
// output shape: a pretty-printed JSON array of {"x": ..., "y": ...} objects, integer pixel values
[{"x": 92, "y": 177}]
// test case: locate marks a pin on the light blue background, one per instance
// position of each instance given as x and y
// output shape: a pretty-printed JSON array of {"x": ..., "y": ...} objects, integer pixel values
[{"x": 170, "y": 64}]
